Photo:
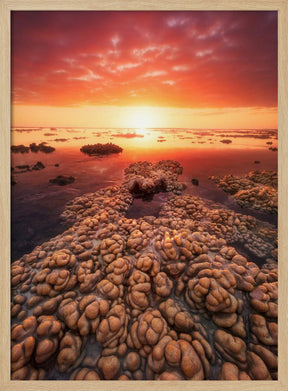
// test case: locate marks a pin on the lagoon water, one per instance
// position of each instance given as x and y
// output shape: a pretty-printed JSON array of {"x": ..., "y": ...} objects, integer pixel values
[{"x": 36, "y": 204}]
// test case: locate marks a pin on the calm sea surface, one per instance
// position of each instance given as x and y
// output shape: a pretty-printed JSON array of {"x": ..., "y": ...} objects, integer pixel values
[{"x": 36, "y": 203}]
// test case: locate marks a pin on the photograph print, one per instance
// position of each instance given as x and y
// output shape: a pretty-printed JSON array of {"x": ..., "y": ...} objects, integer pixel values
[{"x": 144, "y": 195}]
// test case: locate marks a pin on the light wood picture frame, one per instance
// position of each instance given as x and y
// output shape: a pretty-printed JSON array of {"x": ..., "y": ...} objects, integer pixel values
[{"x": 281, "y": 6}]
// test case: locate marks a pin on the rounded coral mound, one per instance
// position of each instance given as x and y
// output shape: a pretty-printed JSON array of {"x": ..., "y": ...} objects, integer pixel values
[
  {"x": 100, "y": 149},
  {"x": 257, "y": 189},
  {"x": 167, "y": 298}
]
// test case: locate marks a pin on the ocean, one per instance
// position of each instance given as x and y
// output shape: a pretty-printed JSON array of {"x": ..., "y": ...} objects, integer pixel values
[{"x": 36, "y": 204}]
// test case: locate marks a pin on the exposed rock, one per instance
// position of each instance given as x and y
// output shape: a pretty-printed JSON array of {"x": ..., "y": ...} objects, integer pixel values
[
  {"x": 19, "y": 149},
  {"x": 101, "y": 149},
  {"x": 144, "y": 178},
  {"x": 257, "y": 189},
  {"x": 42, "y": 147},
  {"x": 38, "y": 166},
  {"x": 25, "y": 168},
  {"x": 62, "y": 180}
]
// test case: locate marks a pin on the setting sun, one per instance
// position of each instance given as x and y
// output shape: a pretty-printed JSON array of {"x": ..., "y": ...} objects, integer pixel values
[
  {"x": 166, "y": 69},
  {"x": 143, "y": 117}
]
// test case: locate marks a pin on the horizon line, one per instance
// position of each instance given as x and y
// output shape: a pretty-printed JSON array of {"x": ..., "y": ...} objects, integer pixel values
[{"x": 137, "y": 127}]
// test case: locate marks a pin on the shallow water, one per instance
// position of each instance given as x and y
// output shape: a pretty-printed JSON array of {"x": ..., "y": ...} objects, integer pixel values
[{"x": 36, "y": 204}]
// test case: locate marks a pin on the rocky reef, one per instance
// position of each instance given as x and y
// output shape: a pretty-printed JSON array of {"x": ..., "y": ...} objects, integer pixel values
[
  {"x": 42, "y": 147},
  {"x": 256, "y": 190},
  {"x": 62, "y": 180},
  {"x": 19, "y": 149},
  {"x": 162, "y": 298},
  {"x": 25, "y": 168},
  {"x": 144, "y": 178},
  {"x": 100, "y": 149}
]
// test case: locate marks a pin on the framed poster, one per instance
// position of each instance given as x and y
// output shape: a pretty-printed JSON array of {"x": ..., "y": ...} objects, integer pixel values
[{"x": 143, "y": 166}]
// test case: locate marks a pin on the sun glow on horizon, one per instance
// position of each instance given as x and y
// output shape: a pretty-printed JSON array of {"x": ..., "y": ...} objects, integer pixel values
[
  {"x": 142, "y": 131},
  {"x": 196, "y": 70},
  {"x": 143, "y": 118}
]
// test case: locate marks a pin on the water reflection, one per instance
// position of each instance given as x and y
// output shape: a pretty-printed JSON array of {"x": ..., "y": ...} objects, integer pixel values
[
  {"x": 149, "y": 138},
  {"x": 37, "y": 203}
]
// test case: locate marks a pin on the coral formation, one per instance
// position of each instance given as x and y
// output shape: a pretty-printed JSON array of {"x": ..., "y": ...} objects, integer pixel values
[
  {"x": 144, "y": 178},
  {"x": 256, "y": 190},
  {"x": 42, "y": 147},
  {"x": 25, "y": 167},
  {"x": 19, "y": 149},
  {"x": 62, "y": 180},
  {"x": 100, "y": 149},
  {"x": 164, "y": 298}
]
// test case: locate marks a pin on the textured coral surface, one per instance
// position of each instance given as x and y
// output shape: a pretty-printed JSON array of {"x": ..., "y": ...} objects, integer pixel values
[
  {"x": 167, "y": 298},
  {"x": 257, "y": 189}
]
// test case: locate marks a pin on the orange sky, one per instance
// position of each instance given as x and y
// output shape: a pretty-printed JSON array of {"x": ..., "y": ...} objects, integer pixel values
[{"x": 144, "y": 69}]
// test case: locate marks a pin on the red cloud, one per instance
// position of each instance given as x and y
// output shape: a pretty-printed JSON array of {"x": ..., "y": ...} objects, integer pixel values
[
  {"x": 184, "y": 59},
  {"x": 127, "y": 135}
]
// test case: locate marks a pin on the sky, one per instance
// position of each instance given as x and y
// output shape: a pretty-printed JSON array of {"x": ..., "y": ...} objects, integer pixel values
[{"x": 144, "y": 69}]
